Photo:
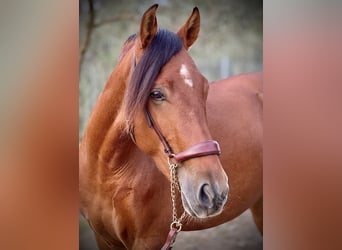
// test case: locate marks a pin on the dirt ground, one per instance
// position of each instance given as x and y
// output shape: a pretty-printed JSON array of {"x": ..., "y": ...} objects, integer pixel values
[{"x": 238, "y": 234}]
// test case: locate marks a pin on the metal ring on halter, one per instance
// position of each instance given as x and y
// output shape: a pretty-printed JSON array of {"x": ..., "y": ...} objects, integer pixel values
[
  {"x": 170, "y": 161},
  {"x": 177, "y": 225}
]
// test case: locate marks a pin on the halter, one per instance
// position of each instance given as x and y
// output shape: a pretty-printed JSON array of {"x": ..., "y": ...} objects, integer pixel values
[
  {"x": 209, "y": 147},
  {"x": 205, "y": 148}
]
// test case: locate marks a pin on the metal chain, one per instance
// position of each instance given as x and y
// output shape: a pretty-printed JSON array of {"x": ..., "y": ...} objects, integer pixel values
[{"x": 176, "y": 223}]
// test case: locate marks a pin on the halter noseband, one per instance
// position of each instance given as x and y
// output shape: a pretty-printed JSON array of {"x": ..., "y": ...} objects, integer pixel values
[{"x": 209, "y": 147}]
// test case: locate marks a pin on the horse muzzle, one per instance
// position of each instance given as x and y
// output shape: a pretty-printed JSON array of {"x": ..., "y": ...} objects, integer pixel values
[{"x": 203, "y": 197}]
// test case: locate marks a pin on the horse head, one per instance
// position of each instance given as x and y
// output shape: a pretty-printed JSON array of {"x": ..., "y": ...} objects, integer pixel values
[{"x": 165, "y": 109}]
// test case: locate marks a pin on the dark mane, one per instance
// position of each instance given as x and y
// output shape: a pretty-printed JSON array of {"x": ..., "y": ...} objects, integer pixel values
[
  {"x": 164, "y": 45},
  {"x": 127, "y": 46}
]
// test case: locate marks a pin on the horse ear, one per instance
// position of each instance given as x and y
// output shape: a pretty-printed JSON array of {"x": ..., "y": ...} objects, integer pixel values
[
  {"x": 189, "y": 31},
  {"x": 148, "y": 26}
]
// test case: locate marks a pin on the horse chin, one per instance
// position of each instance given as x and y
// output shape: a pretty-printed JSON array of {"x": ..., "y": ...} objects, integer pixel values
[{"x": 197, "y": 211}]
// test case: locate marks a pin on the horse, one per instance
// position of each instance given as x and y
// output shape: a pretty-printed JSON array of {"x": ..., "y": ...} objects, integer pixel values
[{"x": 163, "y": 149}]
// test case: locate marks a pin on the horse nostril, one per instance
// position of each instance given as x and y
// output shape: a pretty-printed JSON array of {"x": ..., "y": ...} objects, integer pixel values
[
  {"x": 206, "y": 196},
  {"x": 224, "y": 194},
  {"x": 220, "y": 199}
]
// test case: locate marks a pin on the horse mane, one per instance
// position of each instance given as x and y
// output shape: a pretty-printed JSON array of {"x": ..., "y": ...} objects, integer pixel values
[
  {"x": 164, "y": 45},
  {"x": 127, "y": 46}
]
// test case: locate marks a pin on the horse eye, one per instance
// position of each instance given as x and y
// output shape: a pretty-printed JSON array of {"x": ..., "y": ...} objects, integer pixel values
[{"x": 157, "y": 95}]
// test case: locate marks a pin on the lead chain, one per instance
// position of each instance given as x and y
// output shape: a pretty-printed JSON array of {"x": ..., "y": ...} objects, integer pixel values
[{"x": 174, "y": 184}]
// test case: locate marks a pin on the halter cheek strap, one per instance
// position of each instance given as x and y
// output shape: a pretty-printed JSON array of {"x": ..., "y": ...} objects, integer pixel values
[
  {"x": 204, "y": 148},
  {"x": 152, "y": 124}
]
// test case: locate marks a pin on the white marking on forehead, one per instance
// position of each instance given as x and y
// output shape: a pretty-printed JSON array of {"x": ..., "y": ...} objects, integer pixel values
[{"x": 186, "y": 76}]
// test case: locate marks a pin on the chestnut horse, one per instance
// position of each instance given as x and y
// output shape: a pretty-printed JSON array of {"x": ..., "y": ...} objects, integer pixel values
[{"x": 157, "y": 112}]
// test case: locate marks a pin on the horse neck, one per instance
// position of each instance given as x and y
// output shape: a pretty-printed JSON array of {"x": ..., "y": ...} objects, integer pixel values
[{"x": 105, "y": 137}]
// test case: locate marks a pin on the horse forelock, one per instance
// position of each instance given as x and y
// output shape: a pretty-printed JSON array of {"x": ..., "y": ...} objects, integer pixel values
[{"x": 164, "y": 45}]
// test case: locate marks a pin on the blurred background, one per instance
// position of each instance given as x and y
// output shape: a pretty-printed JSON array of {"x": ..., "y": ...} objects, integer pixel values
[{"x": 229, "y": 43}]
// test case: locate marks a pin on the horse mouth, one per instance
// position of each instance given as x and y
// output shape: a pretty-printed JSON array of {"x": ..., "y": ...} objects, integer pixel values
[{"x": 197, "y": 210}]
